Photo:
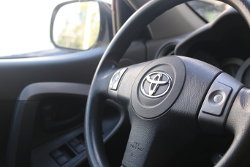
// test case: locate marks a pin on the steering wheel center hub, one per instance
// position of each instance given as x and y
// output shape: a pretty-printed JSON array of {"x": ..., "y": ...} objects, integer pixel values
[{"x": 158, "y": 86}]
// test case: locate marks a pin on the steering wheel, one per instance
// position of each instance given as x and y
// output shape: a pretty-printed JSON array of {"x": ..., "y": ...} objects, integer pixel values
[{"x": 168, "y": 100}]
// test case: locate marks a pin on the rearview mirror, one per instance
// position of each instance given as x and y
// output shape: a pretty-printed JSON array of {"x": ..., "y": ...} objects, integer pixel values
[{"x": 76, "y": 25}]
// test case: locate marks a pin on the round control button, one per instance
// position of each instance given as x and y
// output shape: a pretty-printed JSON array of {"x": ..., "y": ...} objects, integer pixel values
[{"x": 218, "y": 98}]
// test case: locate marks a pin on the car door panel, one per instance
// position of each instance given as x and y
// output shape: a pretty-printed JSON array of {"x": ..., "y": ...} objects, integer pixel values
[{"x": 70, "y": 68}]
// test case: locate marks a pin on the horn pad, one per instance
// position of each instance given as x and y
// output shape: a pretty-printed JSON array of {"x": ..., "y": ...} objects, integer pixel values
[{"x": 157, "y": 87}]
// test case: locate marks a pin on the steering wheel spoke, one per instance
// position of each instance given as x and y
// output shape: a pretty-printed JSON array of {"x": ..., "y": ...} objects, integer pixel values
[
  {"x": 238, "y": 122},
  {"x": 217, "y": 103},
  {"x": 155, "y": 142},
  {"x": 121, "y": 83},
  {"x": 141, "y": 145}
]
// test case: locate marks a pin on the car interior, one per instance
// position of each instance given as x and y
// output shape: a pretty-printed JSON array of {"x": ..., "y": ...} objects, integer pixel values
[{"x": 131, "y": 83}]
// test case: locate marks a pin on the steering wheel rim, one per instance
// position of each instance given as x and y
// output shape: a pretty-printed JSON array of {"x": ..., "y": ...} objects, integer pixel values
[{"x": 108, "y": 66}]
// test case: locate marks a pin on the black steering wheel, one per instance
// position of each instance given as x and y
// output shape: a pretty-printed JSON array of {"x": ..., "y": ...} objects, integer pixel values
[{"x": 168, "y": 100}]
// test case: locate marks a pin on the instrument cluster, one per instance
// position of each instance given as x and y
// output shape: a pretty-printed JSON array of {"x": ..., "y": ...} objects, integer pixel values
[
  {"x": 236, "y": 67},
  {"x": 222, "y": 44}
]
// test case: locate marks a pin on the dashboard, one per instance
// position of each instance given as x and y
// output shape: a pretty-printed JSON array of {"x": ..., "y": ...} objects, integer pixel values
[{"x": 223, "y": 43}]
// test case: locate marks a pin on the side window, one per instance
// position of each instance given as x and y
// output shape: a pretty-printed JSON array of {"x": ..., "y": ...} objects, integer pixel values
[{"x": 208, "y": 10}]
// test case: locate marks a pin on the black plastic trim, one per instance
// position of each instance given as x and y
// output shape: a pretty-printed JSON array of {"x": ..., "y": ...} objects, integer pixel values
[
  {"x": 31, "y": 92},
  {"x": 19, "y": 146}
]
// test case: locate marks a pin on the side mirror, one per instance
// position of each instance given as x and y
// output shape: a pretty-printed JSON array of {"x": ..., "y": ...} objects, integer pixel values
[{"x": 81, "y": 25}]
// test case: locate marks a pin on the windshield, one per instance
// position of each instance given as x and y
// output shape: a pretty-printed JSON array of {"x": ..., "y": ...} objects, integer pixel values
[{"x": 208, "y": 10}]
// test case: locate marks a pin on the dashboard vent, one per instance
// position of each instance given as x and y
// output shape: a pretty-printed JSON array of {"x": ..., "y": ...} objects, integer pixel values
[{"x": 166, "y": 50}]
